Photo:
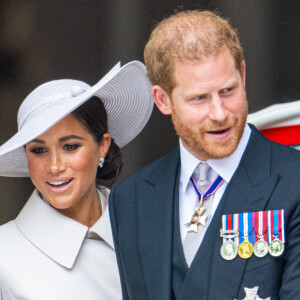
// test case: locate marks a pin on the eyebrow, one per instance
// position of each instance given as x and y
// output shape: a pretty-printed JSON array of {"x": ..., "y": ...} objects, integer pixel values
[
  {"x": 62, "y": 139},
  {"x": 69, "y": 137},
  {"x": 229, "y": 83}
]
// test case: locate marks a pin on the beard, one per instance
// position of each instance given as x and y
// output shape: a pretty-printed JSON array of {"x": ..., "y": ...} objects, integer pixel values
[{"x": 197, "y": 141}]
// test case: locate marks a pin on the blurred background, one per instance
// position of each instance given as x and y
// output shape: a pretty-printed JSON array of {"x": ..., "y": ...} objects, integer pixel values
[{"x": 82, "y": 39}]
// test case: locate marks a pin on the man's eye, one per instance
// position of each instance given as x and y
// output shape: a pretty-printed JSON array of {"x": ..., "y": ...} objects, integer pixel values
[
  {"x": 227, "y": 90},
  {"x": 39, "y": 150},
  {"x": 199, "y": 98},
  {"x": 71, "y": 147}
]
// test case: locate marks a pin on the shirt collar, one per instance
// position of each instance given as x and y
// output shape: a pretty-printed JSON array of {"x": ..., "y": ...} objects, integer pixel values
[
  {"x": 56, "y": 235},
  {"x": 224, "y": 167}
]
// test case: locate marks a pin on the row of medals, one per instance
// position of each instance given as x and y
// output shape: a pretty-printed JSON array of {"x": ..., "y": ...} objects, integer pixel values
[{"x": 261, "y": 248}]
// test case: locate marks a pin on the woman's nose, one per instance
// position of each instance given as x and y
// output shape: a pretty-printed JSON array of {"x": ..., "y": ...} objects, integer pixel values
[{"x": 55, "y": 163}]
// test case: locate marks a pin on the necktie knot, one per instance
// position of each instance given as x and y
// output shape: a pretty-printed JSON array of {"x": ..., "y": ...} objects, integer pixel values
[{"x": 203, "y": 182}]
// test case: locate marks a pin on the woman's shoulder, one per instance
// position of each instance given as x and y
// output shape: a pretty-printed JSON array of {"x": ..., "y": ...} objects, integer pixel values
[
  {"x": 7, "y": 230},
  {"x": 10, "y": 237},
  {"x": 12, "y": 241},
  {"x": 5, "y": 293}
]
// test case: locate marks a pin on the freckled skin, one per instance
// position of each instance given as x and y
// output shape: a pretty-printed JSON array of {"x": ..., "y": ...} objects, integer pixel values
[{"x": 76, "y": 159}]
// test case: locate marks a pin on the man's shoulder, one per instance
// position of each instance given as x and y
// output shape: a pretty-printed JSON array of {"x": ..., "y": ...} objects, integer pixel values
[
  {"x": 260, "y": 146},
  {"x": 285, "y": 154}
]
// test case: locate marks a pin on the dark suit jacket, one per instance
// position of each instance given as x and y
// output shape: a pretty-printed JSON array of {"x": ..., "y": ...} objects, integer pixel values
[{"x": 141, "y": 209}]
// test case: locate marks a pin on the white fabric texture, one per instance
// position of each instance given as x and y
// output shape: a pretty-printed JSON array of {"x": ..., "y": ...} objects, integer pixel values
[{"x": 46, "y": 255}]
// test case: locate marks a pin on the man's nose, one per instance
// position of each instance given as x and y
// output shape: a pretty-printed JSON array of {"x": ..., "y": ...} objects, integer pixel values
[{"x": 218, "y": 111}]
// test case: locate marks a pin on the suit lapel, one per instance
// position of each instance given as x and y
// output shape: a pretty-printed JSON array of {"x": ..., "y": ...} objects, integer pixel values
[
  {"x": 155, "y": 224},
  {"x": 249, "y": 190},
  {"x": 210, "y": 276}
]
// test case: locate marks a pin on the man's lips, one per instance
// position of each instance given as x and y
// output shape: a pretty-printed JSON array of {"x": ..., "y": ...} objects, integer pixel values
[
  {"x": 220, "y": 131},
  {"x": 219, "y": 135}
]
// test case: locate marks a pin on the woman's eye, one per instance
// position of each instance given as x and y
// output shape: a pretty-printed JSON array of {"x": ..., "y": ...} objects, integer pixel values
[
  {"x": 71, "y": 147},
  {"x": 39, "y": 150}
]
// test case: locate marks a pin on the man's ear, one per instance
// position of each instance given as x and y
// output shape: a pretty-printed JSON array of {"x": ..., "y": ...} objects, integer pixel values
[
  {"x": 161, "y": 99},
  {"x": 243, "y": 68}
]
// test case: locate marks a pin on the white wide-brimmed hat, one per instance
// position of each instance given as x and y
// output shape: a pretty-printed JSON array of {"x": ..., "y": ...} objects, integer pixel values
[{"x": 125, "y": 92}]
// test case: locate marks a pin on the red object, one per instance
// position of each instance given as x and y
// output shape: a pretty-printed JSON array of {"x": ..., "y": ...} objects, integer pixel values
[
  {"x": 264, "y": 225},
  {"x": 286, "y": 135}
]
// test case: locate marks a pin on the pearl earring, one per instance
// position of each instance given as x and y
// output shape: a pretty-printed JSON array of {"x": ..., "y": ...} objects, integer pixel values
[{"x": 101, "y": 162}]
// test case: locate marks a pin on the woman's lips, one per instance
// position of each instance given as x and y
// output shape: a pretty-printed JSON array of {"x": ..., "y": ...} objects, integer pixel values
[{"x": 59, "y": 185}]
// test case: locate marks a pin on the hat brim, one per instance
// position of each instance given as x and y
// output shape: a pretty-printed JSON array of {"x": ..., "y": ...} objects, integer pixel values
[{"x": 126, "y": 94}]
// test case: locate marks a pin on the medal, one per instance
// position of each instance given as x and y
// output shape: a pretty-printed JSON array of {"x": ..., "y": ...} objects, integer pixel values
[
  {"x": 276, "y": 232},
  {"x": 276, "y": 247},
  {"x": 229, "y": 248},
  {"x": 251, "y": 294},
  {"x": 245, "y": 249},
  {"x": 263, "y": 229},
  {"x": 261, "y": 247},
  {"x": 199, "y": 218}
]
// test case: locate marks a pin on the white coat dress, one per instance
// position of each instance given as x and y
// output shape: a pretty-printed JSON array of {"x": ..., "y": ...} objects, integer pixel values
[{"x": 45, "y": 255}]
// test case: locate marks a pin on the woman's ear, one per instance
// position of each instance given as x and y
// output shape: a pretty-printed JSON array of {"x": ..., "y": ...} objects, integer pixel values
[
  {"x": 161, "y": 99},
  {"x": 104, "y": 145}
]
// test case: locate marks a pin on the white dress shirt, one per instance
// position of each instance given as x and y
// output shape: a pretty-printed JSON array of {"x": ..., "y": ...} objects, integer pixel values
[
  {"x": 224, "y": 167},
  {"x": 46, "y": 255}
]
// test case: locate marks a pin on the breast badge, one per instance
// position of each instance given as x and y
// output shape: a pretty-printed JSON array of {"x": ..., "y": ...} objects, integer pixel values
[{"x": 251, "y": 294}]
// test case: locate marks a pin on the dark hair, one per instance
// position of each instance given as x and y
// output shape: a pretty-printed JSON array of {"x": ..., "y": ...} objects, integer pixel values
[{"x": 93, "y": 116}]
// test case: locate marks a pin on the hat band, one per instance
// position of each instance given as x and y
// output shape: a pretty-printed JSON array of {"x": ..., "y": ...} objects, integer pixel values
[{"x": 52, "y": 99}]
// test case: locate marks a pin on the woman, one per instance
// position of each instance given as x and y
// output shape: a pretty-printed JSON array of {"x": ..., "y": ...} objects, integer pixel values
[{"x": 60, "y": 245}]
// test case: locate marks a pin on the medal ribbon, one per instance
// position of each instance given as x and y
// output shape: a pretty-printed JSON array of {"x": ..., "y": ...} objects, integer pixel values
[
  {"x": 276, "y": 225},
  {"x": 246, "y": 227},
  {"x": 224, "y": 226},
  {"x": 263, "y": 223},
  {"x": 275, "y": 230},
  {"x": 211, "y": 190},
  {"x": 260, "y": 225},
  {"x": 229, "y": 223},
  {"x": 236, "y": 227},
  {"x": 281, "y": 225},
  {"x": 270, "y": 225}
]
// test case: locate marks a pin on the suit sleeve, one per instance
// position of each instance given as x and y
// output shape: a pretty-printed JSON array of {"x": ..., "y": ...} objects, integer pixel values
[{"x": 116, "y": 238}]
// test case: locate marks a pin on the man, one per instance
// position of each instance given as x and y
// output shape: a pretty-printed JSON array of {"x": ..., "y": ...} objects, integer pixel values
[{"x": 225, "y": 185}]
